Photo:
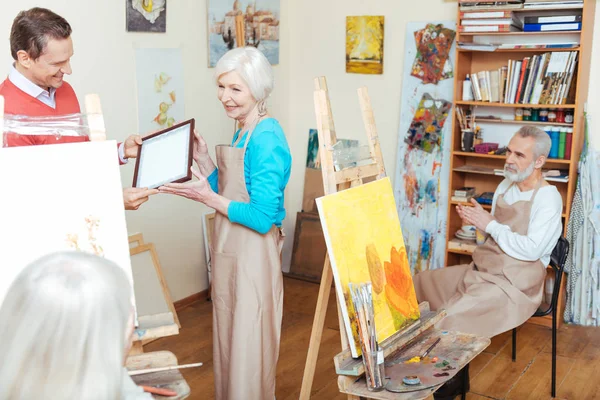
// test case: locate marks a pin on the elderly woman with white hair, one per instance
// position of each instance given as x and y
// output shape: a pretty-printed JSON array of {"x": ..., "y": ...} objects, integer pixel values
[
  {"x": 247, "y": 192},
  {"x": 67, "y": 323}
]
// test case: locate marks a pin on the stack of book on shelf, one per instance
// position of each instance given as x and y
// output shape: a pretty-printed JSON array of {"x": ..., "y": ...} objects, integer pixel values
[
  {"x": 552, "y": 175},
  {"x": 540, "y": 79},
  {"x": 489, "y": 21},
  {"x": 463, "y": 195},
  {"x": 469, "y": 5},
  {"x": 552, "y": 23},
  {"x": 537, "y": 4}
]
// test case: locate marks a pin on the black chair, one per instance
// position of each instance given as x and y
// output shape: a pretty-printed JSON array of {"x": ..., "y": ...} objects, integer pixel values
[{"x": 557, "y": 261}]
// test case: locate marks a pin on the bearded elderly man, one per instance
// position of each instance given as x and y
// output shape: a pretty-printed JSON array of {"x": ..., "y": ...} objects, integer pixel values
[{"x": 502, "y": 287}]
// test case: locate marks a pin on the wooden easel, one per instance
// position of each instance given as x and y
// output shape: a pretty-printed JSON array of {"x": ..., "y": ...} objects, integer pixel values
[
  {"x": 350, "y": 370},
  {"x": 335, "y": 181}
]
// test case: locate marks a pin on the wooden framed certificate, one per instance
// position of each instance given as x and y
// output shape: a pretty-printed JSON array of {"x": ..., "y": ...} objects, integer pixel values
[{"x": 165, "y": 156}]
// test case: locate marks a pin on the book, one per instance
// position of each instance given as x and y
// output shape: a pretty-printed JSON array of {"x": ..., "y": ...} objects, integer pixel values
[
  {"x": 485, "y": 198},
  {"x": 488, "y": 28},
  {"x": 487, "y": 14},
  {"x": 552, "y": 20},
  {"x": 574, "y": 26},
  {"x": 465, "y": 191},
  {"x": 461, "y": 199}
]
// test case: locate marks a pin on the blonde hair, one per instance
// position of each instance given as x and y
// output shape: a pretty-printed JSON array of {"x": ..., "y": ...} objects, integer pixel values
[{"x": 63, "y": 328}]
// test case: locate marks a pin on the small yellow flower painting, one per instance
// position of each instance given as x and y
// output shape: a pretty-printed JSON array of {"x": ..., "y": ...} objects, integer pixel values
[
  {"x": 365, "y": 244},
  {"x": 364, "y": 44}
]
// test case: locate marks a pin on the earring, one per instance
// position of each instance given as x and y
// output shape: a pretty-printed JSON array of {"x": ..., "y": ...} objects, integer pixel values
[{"x": 262, "y": 108}]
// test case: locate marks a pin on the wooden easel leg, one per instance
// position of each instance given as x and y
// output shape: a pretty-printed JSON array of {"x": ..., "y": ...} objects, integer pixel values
[{"x": 317, "y": 331}]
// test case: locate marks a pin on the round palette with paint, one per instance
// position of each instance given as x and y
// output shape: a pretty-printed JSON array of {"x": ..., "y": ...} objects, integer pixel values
[{"x": 428, "y": 372}]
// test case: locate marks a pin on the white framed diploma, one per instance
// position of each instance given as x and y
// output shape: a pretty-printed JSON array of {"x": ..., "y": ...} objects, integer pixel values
[{"x": 165, "y": 156}]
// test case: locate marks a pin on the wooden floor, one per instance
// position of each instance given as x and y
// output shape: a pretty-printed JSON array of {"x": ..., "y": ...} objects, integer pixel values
[{"x": 493, "y": 374}]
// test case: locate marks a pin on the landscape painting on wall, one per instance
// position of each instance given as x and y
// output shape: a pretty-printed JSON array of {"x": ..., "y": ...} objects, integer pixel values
[
  {"x": 364, "y": 44},
  {"x": 240, "y": 23},
  {"x": 365, "y": 244}
]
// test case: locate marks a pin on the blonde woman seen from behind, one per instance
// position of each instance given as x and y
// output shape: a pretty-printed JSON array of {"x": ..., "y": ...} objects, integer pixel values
[{"x": 66, "y": 326}]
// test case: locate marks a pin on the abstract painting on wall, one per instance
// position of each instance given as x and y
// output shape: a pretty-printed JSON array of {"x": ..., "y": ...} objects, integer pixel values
[
  {"x": 159, "y": 76},
  {"x": 432, "y": 62},
  {"x": 365, "y": 244},
  {"x": 82, "y": 207},
  {"x": 146, "y": 15},
  {"x": 364, "y": 44},
  {"x": 240, "y": 23},
  {"x": 423, "y": 160},
  {"x": 427, "y": 124}
]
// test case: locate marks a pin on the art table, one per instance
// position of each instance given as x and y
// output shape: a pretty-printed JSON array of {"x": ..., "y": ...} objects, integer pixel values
[{"x": 454, "y": 351}]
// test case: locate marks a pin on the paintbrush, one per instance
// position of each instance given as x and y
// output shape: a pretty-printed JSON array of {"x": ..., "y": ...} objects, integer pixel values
[
  {"x": 430, "y": 348},
  {"x": 161, "y": 369}
]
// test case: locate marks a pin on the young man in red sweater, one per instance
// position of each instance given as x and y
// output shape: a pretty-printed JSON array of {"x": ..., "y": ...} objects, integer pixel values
[{"x": 41, "y": 45}]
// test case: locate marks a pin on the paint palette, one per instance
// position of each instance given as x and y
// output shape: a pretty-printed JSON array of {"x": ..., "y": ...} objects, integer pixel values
[{"x": 430, "y": 373}]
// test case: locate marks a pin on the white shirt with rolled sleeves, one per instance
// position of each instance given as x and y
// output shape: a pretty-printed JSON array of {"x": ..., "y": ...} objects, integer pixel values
[{"x": 545, "y": 224}]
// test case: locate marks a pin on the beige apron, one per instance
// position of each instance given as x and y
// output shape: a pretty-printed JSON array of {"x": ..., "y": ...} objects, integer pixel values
[
  {"x": 247, "y": 294},
  {"x": 494, "y": 293}
]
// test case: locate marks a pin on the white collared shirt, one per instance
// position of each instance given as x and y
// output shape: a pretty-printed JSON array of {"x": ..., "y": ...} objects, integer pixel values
[
  {"x": 20, "y": 81},
  {"x": 48, "y": 97}
]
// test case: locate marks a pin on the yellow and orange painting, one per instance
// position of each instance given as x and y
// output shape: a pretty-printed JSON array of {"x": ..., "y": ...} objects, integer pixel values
[
  {"x": 364, "y": 44},
  {"x": 365, "y": 244}
]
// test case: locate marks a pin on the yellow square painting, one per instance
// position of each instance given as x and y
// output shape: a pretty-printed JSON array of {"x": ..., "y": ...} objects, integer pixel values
[
  {"x": 364, "y": 45},
  {"x": 365, "y": 244}
]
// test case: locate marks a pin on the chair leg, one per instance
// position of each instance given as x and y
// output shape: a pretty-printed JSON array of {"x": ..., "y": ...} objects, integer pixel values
[
  {"x": 514, "y": 344},
  {"x": 465, "y": 382},
  {"x": 554, "y": 352}
]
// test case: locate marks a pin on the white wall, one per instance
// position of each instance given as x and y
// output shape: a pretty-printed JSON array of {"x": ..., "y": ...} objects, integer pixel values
[
  {"x": 318, "y": 42},
  {"x": 104, "y": 63}
]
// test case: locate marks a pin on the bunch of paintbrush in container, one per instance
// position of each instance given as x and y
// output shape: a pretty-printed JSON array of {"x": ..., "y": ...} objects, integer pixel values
[{"x": 362, "y": 299}]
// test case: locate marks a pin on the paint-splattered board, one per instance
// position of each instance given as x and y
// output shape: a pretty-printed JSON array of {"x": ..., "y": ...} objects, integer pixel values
[{"x": 455, "y": 347}]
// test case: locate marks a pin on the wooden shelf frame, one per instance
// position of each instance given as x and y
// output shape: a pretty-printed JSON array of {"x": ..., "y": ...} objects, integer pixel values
[{"x": 468, "y": 61}]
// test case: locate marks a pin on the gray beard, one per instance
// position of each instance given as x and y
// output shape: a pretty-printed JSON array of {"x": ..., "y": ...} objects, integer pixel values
[{"x": 518, "y": 177}]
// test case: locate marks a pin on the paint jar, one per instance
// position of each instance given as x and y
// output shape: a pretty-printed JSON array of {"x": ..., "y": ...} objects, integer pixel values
[
  {"x": 568, "y": 116},
  {"x": 554, "y": 137},
  {"x": 568, "y": 143},
  {"x": 374, "y": 369},
  {"x": 518, "y": 114},
  {"x": 527, "y": 114},
  {"x": 468, "y": 138},
  {"x": 562, "y": 142},
  {"x": 543, "y": 115},
  {"x": 551, "y": 116},
  {"x": 535, "y": 114},
  {"x": 560, "y": 116}
]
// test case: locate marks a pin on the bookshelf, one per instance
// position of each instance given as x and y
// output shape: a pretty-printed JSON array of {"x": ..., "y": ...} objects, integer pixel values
[{"x": 468, "y": 61}]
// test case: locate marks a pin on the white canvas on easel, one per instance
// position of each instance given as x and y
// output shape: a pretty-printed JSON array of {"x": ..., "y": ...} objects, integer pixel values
[{"x": 60, "y": 197}]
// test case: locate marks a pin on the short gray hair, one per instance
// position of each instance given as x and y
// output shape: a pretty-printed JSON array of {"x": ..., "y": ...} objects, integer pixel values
[
  {"x": 64, "y": 321},
  {"x": 541, "y": 138},
  {"x": 253, "y": 67}
]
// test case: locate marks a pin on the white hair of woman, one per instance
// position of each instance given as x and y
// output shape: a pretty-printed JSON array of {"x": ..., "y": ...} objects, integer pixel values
[
  {"x": 63, "y": 331},
  {"x": 255, "y": 70}
]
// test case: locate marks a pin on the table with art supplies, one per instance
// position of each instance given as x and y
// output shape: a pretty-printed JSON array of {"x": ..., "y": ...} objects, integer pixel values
[{"x": 410, "y": 365}]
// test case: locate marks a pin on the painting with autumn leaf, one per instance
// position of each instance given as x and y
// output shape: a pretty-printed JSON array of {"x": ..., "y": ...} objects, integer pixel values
[
  {"x": 159, "y": 79},
  {"x": 364, "y": 44},
  {"x": 365, "y": 244}
]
